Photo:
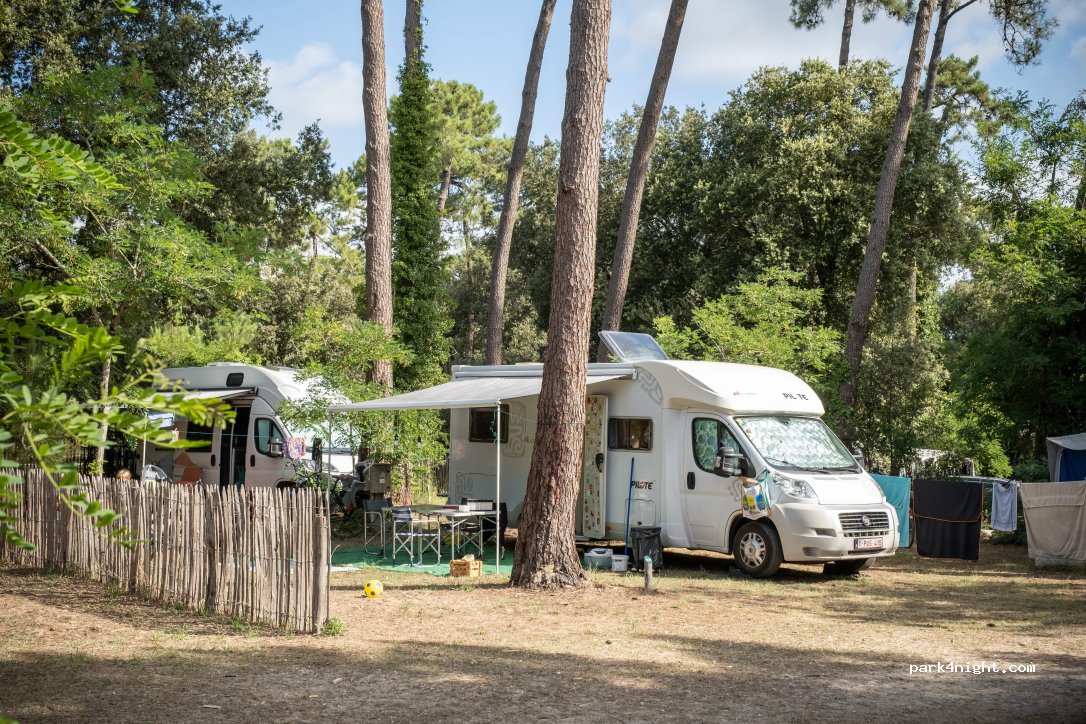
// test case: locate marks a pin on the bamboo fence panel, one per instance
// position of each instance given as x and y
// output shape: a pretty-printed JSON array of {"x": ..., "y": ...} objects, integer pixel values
[{"x": 260, "y": 555}]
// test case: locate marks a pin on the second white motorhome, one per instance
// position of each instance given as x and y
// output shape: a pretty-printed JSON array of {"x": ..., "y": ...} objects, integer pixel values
[
  {"x": 251, "y": 450},
  {"x": 670, "y": 442}
]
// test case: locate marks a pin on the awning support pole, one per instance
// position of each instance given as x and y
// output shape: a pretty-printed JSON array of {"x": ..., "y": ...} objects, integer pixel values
[{"x": 498, "y": 484}]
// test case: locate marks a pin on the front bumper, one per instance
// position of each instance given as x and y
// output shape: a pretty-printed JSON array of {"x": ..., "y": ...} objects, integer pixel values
[{"x": 813, "y": 533}]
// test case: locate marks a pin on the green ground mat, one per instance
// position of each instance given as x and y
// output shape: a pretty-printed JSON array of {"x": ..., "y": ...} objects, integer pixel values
[{"x": 358, "y": 558}]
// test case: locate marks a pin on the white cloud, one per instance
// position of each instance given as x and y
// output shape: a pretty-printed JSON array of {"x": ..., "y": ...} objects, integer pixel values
[
  {"x": 1078, "y": 50},
  {"x": 315, "y": 85}
]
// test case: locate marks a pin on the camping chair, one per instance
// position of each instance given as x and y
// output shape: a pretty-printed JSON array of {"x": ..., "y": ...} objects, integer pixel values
[
  {"x": 477, "y": 534},
  {"x": 412, "y": 532},
  {"x": 373, "y": 524}
]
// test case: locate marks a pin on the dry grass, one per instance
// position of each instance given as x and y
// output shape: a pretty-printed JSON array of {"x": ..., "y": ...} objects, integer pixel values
[{"x": 703, "y": 646}]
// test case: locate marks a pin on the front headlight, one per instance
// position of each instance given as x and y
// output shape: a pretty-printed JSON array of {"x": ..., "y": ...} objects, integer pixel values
[{"x": 795, "y": 488}]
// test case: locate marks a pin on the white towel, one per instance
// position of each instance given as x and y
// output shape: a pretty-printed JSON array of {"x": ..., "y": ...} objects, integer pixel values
[{"x": 1005, "y": 506}]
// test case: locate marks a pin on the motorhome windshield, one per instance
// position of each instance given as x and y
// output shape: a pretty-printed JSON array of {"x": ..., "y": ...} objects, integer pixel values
[{"x": 797, "y": 443}]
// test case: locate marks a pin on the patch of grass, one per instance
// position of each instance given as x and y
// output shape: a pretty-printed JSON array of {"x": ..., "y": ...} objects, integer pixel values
[
  {"x": 240, "y": 625},
  {"x": 333, "y": 627}
]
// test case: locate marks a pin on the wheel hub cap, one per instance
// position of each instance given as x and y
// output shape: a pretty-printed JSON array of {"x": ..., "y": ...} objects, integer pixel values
[{"x": 752, "y": 548}]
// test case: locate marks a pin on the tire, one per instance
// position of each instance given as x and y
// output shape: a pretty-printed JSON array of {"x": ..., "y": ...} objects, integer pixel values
[
  {"x": 757, "y": 550},
  {"x": 349, "y": 525},
  {"x": 847, "y": 568}
]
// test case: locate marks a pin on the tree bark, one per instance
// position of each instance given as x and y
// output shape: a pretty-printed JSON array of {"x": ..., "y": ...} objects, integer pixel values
[
  {"x": 846, "y": 33},
  {"x": 639, "y": 171},
  {"x": 412, "y": 31},
  {"x": 378, "y": 180},
  {"x": 546, "y": 556},
  {"x": 500, "y": 263},
  {"x": 443, "y": 192},
  {"x": 103, "y": 386},
  {"x": 469, "y": 337},
  {"x": 884, "y": 201},
  {"x": 946, "y": 12}
]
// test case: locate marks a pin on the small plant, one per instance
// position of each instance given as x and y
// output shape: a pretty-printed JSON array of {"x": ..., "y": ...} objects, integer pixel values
[
  {"x": 333, "y": 627},
  {"x": 239, "y": 625}
]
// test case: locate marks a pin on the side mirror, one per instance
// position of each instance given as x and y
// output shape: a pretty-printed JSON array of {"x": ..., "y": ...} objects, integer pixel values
[
  {"x": 275, "y": 448},
  {"x": 731, "y": 463}
]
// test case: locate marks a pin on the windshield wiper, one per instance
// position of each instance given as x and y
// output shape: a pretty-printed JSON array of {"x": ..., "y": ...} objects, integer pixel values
[{"x": 808, "y": 469}]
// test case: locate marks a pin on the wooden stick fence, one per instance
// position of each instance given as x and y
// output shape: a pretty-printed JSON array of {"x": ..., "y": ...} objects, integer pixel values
[{"x": 260, "y": 555}]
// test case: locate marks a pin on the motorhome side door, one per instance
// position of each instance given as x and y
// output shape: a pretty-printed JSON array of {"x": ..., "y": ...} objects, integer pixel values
[
  {"x": 592, "y": 496},
  {"x": 267, "y": 465},
  {"x": 709, "y": 499}
]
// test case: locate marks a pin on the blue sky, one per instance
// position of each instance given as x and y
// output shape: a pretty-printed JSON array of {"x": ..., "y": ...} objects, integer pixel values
[{"x": 313, "y": 51}]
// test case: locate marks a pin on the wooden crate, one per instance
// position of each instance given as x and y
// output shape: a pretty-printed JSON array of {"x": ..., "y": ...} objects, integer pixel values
[{"x": 461, "y": 567}]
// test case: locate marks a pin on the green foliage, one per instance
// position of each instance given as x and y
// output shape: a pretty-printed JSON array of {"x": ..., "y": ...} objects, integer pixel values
[
  {"x": 809, "y": 14},
  {"x": 334, "y": 627},
  {"x": 208, "y": 85},
  {"x": 1018, "y": 325},
  {"x": 41, "y": 418},
  {"x": 230, "y": 338},
  {"x": 464, "y": 129},
  {"x": 772, "y": 322},
  {"x": 420, "y": 276},
  {"x": 124, "y": 242}
]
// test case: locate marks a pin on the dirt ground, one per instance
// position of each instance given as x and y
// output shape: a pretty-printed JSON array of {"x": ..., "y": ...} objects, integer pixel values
[{"x": 704, "y": 646}]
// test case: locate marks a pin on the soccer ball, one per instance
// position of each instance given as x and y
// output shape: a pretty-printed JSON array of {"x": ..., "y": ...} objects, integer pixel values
[{"x": 372, "y": 589}]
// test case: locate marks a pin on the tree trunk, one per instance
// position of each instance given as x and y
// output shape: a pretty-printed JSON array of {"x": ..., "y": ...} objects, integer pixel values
[
  {"x": 469, "y": 338},
  {"x": 884, "y": 201},
  {"x": 846, "y": 33},
  {"x": 443, "y": 192},
  {"x": 936, "y": 55},
  {"x": 378, "y": 180},
  {"x": 495, "y": 322},
  {"x": 546, "y": 556},
  {"x": 910, "y": 313},
  {"x": 947, "y": 10},
  {"x": 412, "y": 31},
  {"x": 103, "y": 385},
  {"x": 639, "y": 171}
]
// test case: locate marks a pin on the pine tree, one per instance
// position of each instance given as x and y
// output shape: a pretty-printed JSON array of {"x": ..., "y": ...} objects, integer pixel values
[{"x": 419, "y": 273}]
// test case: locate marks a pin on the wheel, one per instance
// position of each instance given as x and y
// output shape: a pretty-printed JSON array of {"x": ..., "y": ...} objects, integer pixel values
[
  {"x": 348, "y": 525},
  {"x": 757, "y": 550},
  {"x": 847, "y": 568}
]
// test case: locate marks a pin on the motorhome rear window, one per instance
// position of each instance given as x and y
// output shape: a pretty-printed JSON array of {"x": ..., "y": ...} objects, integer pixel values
[
  {"x": 629, "y": 433},
  {"x": 202, "y": 434},
  {"x": 481, "y": 424},
  {"x": 234, "y": 379}
]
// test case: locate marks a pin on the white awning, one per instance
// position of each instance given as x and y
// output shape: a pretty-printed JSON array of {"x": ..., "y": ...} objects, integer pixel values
[
  {"x": 469, "y": 392},
  {"x": 217, "y": 394}
]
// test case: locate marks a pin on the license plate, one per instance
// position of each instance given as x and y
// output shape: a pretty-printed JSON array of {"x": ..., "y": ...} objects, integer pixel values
[{"x": 868, "y": 543}]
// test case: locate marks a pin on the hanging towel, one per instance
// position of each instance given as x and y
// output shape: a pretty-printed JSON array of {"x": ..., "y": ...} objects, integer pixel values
[
  {"x": 295, "y": 448},
  {"x": 1005, "y": 506},
  {"x": 897, "y": 492},
  {"x": 1055, "y": 522},
  {"x": 947, "y": 515}
]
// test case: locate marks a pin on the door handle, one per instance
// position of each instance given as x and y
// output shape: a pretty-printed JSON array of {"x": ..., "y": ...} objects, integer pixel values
[
  {"x": 212, "y": 459},
  {"x": 690, "y": 481},
  {"x": 252, "y": 461}
]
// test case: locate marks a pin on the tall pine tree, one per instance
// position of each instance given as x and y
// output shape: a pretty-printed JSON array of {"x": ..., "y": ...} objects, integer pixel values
[{"x": 420, "y": 297}]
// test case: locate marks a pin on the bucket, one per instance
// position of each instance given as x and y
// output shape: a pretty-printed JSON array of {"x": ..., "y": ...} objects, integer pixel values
[
  {"x": 598, "y": 558},
  {"x": 619, "y": 563}
]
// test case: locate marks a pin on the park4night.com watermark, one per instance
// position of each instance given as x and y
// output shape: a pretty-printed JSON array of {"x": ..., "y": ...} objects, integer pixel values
[{"x": 946, "y": 667}]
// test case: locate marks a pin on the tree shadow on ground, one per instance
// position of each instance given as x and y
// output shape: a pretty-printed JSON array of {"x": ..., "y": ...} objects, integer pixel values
[{"x": 412, "y": 680}]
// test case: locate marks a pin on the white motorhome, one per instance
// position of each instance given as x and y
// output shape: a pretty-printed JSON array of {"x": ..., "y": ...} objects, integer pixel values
[
  {"x": 670, "y": 442},
  {"x": 251, "y": 450}
]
